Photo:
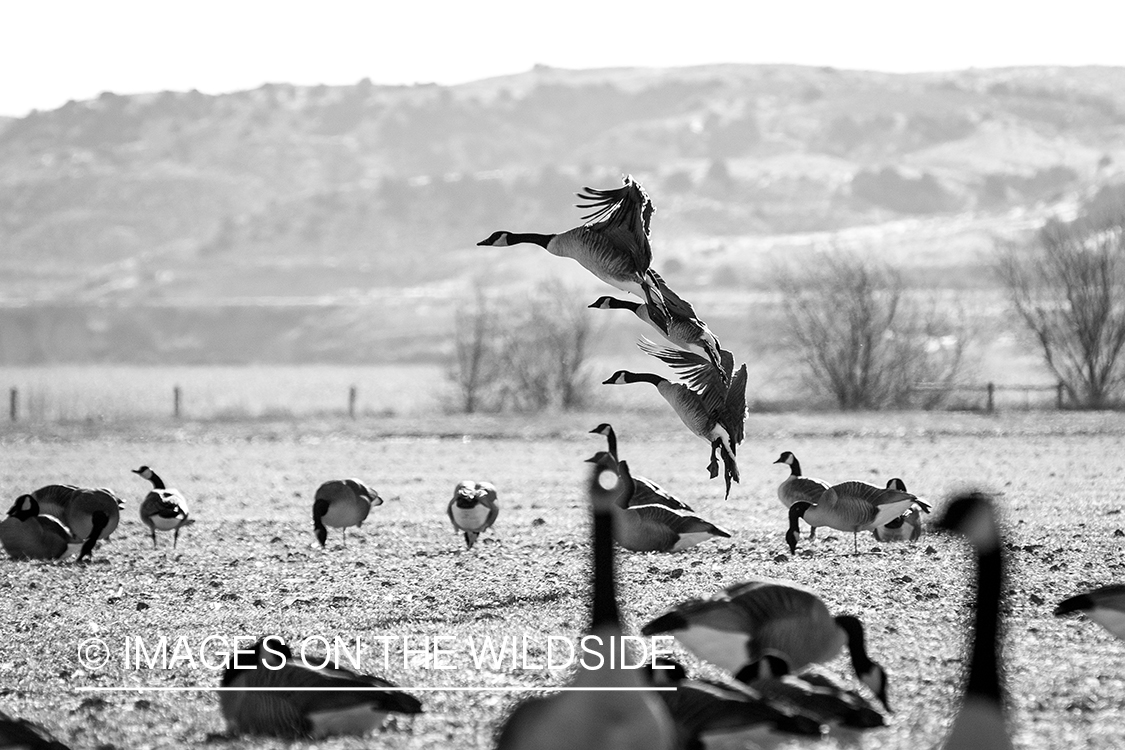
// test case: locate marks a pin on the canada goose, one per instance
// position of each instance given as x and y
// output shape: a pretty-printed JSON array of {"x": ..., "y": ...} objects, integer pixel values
[
  {"x": 350, "y": 707},
  {"x": 21, "y": 734},
  {"x": 818, "y": 696},
  {"x": 341, "y": 503},
  {"x": 850, "y": 506},
  {"x": 738, "y": 627},
  {"x": 980, "y": 723},
  {"x": 655, "y": 527},
  {"x": 905, "y": 528},
  {"x": 473, "y": 509},
  {"x": 685, "y": 331},
  {"x": 163, "y": 508},
  {"x": 28, "y": 535},
  {"x": 610, "y": 720},
  {"x": 614, "y": 245},
  {"x": 1105, "y": 606},
  {"x": 90, "y": 514},
  {"x": 647, "y": 492},
  {"x": 797, "y": 488},
  {"x": 709, "y": 409}
]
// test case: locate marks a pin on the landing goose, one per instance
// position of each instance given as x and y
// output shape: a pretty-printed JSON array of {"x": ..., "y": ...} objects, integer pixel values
[
  {"x": 341, "y": 503},
  {"x": 473, "y": 509},
  {"x": 163, "y": 509}
]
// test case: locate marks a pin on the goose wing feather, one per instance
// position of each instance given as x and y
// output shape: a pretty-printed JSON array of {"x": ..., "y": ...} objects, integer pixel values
[
  {"x": 623, "y": 215},
  {"x": 678, "y": 522},
  {"x": 701, "y": 377},
  {"x": 647, "y": 492}
]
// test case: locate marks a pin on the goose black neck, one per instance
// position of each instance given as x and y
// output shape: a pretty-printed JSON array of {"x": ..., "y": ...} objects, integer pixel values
[
  {"x": 857, "y": 649},
  {"x": 157, "y": 482},
  {"x": 605, "y": 588},
  {"x": 984, "y": 675},
  {"x": 795, "y": 468},
  {"x": 611, "y": 438},
  {"x": 519, "y": 238}
]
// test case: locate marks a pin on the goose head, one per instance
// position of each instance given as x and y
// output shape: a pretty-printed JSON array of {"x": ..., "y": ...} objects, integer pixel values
[
  {"x": 466, "y": 495},
  {"x": 896, "y": 484},
  {"x": 771, "y": 665},
  {"x": 604, "y": 429},
  {"x": 971, "y": 515},
  {"x": 786, "y": 458},
  {"x": 869, "y": 673},
  {"x": 612, "y": 303},
  {"x": 24, "y": 507},
  {"x": 144, "y": 471},
  {"x": 496, "y": 239},
  {"x": 608, "y": 482}
]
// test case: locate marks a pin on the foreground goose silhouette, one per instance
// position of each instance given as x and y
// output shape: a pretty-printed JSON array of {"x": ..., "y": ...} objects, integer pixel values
[
  {"x": 163, "y": 509},
  {"x": 21, "y": 734},
  {"x": 341, "y": 503},
  {"x": 473, "y": 509},
  {"x": 980, "y": 723},
  {"x": 1105, "y": 606},
  {"x": 90, "y": 514},
  {"x": 628, "y": 719},
  {"x": 646, "y": 491}
]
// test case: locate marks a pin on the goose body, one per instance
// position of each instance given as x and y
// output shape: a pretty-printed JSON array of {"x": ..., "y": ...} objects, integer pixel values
[
  {"x": 26, "y": 534},
  {"x": 21, "y": 734},
  {"x": 163, "y": 509},
  {"x": 341, "y": 503},
  {"x": 646, "y": 491},
  {"x": 349, "y": 708},
  {"x": 1105, "y": 606},
  {"x": 850, "y": 506},
  {"x": 738, "y": 627},
  {"x": 614, "y": 246},
  {"x": 823, "y": 699},
  {"x": 609, "y": 720},
  {"x": 90, "y": 514},
  {"x": 905, "y": 528},
  {"x": 473, "y": 509}
]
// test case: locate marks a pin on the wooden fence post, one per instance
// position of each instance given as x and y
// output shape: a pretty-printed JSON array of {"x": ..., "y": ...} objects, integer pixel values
[
  {"x": 991, "y": 399},
  {"x": 1059, "y": 395},
  {"x": 14, "y": 404},
  {"x": 176, "y": 394},
  {"x": 351, "y": 402}
]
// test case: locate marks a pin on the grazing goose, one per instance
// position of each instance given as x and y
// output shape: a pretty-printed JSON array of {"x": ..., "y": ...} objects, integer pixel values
[
  {"x": 21, "y": 734},
  {"x": 26, "y": 534},
  {"x": 629, "y": 719},
  {"x": 90, "y": 514},
  {"x": 164, "y": 509},
  {"x": 818, "y": 696},
  {"x": 685, "y": 331},
  {"x": 708, "y": 408},
  {"x": 980, "y": 723},
  {"x": 647, "y": 492},
  {"x": 850, "y": 506},
  {"x": 905, "y": 528},
  {"x": 614, "y": 245},
  {"x": 349, "y": 707},
  {"x": 797, "y": 488},
  {"x": 1105, "y": 606},
  {"x": 473, "y": 509},
  {"x": 341, "y": 503},
  {"x": 748, "y": 621},
  {"x": 653, "y": 528}
]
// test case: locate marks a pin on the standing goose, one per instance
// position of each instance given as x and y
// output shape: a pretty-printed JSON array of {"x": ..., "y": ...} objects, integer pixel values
[
  {"x": 647, "y": 492},
  {"x": 21, "y": 734},
  {"x": 473, "y": 509},
  {"x": 735, "y": 629},
  {"x": 341, "y": 503},
  {"x": 685, "y": 331},
  {"x": 655, "y": 527},
  {"x": 980, "y": 723},
  {"x": 342, "y": 702},
  {"x": 905, "y": 528},
  {"x": 28, "y": 535},
  {"x": 90, "y": 514},
  {"x": 629, "y": 719},
  {"x": 1105, "y": 606},
  {"x": 797, "y": 488},
  {"x": 707, "y": 407},
  {"x": 164, "y": 509},
  {"x": 850, "y": 506},
  {"x": 614, "y": 245}
]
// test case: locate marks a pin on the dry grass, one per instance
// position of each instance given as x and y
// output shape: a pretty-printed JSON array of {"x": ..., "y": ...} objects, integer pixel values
[{"x": 248, "y": 566}]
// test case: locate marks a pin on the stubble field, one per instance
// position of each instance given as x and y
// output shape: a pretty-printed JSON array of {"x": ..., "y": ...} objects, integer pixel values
[{"x": 249, "y": 565}]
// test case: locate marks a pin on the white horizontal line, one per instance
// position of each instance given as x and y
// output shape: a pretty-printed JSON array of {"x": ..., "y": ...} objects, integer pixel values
[{"x": 427, "y": 689}]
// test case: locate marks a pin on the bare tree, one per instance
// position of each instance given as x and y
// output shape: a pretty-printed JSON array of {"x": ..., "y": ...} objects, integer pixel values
[
  {"x": 863, "y": 340},
  {"x": 476, "y": 361},
  {"x": 1069, "y": 289}
]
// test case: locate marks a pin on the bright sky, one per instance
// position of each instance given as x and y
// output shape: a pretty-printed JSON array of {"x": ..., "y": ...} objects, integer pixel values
[{"x": 55, "y": 50}]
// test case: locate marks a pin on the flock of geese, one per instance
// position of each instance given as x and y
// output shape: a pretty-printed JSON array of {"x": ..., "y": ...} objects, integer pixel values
[{"x": 766, "y": 635}]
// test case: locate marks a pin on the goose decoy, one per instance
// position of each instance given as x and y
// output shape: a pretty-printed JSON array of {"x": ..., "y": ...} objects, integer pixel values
[
  {"x": 614, "y": 245},
  {"x": 797, "y": 488},
  {"x": 850, "y": 506},
  {"x": 341, "y": 503},
  {"x": 164, "y": 509},
  {"x": 817, "y": 696},
  {"x": 473, "y": 509},
  {"x": 647, "y": 492},
  {"x": 655, "y": 527},
  {"x": 735, "y": 629},
  {"x": 980, "y": 723},
  {"x": 268, "y": 693},
  {"x": 707, "y": 407},
  {"x": 26, "y": 534},
  {"x": 685, "y": 329},
  {"x": 21, "y": 734},
  {"x": 90, "y": 514},
  {"x": 630, "y": 718},
  {"x": 1105, "y": 606},
  {"x": 905, "y": 528}
]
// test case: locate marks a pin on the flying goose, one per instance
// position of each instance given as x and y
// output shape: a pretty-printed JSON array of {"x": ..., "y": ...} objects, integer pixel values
[
  {"x": 614, "y": 245},
  {"x": 630, "y": 719},
  {"x": 90, "y": 514},
  {"x": 473, "y": 509},
  {"x": 850, "y": 506},
  {"x": 341, "y": 503},
  {"x": 343, "y": 704},
  {"x": 797, "y": 488},
  {"x": 685, "y": 331},
  {"x": 907, "y": 527},
  {"x": 647, "y": 492},
  {"x": 164, "y": 509},
  {"x": 655, "y": 527},
  {"x": 980, "y": 723},
  {"x": 26, "y": 534},
  {"x": 707, "y": 407},
  {"x": 1105, "y": 606},
  {"x": 21, "y": 734},
  {"x": 736, "y": 628}
]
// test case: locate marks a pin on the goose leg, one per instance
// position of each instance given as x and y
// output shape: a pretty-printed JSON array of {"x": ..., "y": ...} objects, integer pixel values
[
  {"x": 812, "y": 533},
  {"x": 154, "y": 538},
  {"x": 713, "y": 467},
  {"x": 345, "y": 531},
  {"x": 175, "y": 537},
  {"x": 100, "y": 521},
  {"x": 855, "y": 541}
]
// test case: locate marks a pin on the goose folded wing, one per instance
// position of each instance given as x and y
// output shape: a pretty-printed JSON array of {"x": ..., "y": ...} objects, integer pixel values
[
  {"x": 678, "y": 521},
  {"x": 648, "y": 492},
  {"x": 349, "y": 689}
]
